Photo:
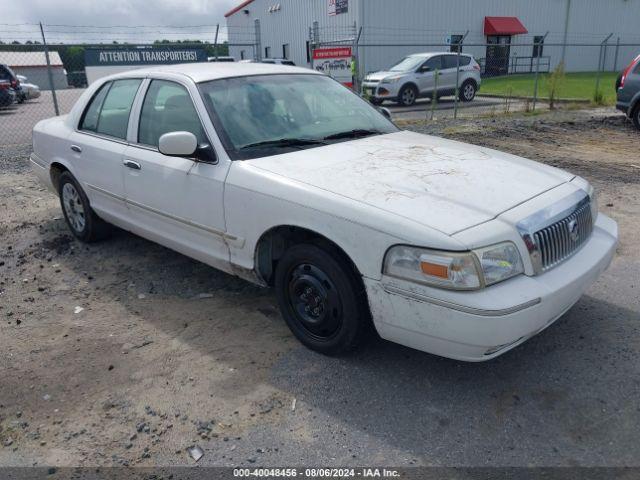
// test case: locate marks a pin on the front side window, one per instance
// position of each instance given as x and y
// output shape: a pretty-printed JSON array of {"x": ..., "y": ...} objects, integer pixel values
[
  {"x": 167, "y": 107},
  {"x": 251, "y": 113},
  {"x": 434, "y": 63}
]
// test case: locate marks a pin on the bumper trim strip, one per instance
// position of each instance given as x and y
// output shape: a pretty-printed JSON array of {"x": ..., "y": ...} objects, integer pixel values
[{"x": 461, "y": 308}]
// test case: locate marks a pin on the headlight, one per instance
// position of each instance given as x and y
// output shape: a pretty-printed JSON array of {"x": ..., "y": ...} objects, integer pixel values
[
  {"x": 391, "y": 79},
  {"x": 499, "y": 262},
  {"x": 454, "y": 270}
]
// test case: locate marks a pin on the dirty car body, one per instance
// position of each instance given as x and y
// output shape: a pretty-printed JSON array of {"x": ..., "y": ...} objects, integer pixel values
[{"x": 285, "y": 178}]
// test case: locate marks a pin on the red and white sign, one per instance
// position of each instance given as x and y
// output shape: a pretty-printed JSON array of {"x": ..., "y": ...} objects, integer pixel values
[{"x": 335, "y": 62}]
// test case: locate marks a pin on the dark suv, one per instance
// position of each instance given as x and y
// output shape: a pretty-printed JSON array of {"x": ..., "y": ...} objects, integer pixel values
[
  {"x": 628, "y": 88},
  {"x": 7, "y": 75}
]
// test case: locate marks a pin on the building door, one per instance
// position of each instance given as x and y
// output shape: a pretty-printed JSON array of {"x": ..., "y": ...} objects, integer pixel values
[{"x": 497, "y": 58}]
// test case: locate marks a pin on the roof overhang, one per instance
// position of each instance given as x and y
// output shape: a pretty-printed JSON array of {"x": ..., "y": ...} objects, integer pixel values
[
  {"x": 503, "y": 26},
  {"x": 238, "y": 8}
]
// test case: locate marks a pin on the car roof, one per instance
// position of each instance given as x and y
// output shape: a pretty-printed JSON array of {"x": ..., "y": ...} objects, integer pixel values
[
  {"x": 203, "y": 72},
  {"x": 432, "y": 54}
]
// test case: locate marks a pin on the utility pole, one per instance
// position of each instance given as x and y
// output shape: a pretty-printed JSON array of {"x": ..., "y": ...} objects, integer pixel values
[
  {"x": 215, "y": 42},
  {"x": 49, "y": 74}
]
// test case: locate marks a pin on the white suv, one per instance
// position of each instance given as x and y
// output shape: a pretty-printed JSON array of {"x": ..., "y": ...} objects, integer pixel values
[{"x": 415, "y": 76}]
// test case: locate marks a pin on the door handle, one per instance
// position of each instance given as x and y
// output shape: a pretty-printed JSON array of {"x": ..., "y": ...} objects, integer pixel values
[
  {"x": 131, "y": 164},
  {"x": 76, "y": 148}
]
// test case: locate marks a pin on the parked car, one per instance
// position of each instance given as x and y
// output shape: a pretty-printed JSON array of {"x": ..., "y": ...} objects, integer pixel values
[
  {"x": 7, "y": 94},
  {"x": 279, "y": 61},
  {"x": 422, "y": 74},
  {"x": 7, "y": 75},
  {"x": 29, "y": 90},
  {"x": 628, "y": 90},
  {"x": 221, "y": 59},
  {"x": 284, "y": 177}
]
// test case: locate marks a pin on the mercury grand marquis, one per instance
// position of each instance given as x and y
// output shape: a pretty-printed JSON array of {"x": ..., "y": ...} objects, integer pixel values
[{"x": 282, "y": 176}]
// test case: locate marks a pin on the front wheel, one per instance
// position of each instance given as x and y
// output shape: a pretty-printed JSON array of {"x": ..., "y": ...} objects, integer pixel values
[
  {"x": 407, "y": 96},
  {"x": 468, "y": 91},
  {"x": 321, "y": 299},
  {"x": 81, "y": 219}
]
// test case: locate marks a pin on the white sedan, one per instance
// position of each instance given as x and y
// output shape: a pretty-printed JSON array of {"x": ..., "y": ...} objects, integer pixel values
[{"x": 283, "y": 177}]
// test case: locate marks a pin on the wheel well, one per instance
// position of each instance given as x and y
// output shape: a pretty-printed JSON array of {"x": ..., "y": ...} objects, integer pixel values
[
  {"x": 409, "y": 84},
  {"x": 275, "y": 242},
  {"x": 56, "y": 170},
  {"x": 475, "y": 84}
]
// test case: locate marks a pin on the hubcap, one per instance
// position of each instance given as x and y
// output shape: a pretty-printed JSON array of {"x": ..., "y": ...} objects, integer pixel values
[
  {"x": 468, "y": 92},
  {"x": 73, "y": 207},
  {"x": 408, "y": 96},
  {"x": 315, "y": 301}
]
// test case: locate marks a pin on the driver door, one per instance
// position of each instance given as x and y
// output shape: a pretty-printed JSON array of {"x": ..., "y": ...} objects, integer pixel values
[{"x": 175, "y": 201}]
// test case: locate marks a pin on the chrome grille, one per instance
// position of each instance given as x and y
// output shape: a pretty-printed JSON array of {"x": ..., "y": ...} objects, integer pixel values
[{"x": 561, "y": 239}]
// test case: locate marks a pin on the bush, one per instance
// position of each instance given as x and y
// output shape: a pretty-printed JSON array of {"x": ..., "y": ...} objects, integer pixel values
[{"x": 556, "y": 79}]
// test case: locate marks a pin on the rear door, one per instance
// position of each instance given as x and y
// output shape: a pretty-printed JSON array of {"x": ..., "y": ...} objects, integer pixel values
[
  {"x": 175, "y": 201},
  {"x": 449, "y": 71},
  {"x": 97, "y": 145}
]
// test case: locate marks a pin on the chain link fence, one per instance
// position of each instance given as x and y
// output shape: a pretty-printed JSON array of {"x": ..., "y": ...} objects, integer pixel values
[{"x": 54, "y": 64}]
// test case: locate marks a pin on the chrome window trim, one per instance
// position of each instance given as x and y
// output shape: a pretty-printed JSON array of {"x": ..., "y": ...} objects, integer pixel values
[{"x": 546, "y": 217}]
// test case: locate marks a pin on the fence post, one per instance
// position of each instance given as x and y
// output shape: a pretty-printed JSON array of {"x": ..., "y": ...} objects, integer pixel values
[
  {"x": 256, "y": 24},
  {"x": 355, "y": 53},
  {"x": 601, "y": 60},
  {"x": 457, "y": 92},
  {"x": 535, "y": 82},
  {"x": 49, "y": 74},
  {"x": 215, "y": 42},
  {"x": 615, "y": 57},
  {"x": 434, "y": 96}
]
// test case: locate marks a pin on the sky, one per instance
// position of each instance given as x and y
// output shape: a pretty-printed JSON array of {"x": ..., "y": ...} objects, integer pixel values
[{"x": 108, "y": 20}]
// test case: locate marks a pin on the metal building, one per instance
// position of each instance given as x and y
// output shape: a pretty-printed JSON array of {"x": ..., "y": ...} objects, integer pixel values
[
  {"x": 499, "y": 33},
  {"x": 33, "y": 65}
]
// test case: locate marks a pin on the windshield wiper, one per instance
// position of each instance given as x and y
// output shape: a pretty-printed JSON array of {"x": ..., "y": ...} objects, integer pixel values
[
  {"x": 284, "y": 142},
  {"x": 357, "y": 133}
]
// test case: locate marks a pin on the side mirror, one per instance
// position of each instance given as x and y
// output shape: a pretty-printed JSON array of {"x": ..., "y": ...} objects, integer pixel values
[
  {"x": 178, "y": 144},
  {"x": 386, "y": 112},
  {"x": 424, "y": 69}
]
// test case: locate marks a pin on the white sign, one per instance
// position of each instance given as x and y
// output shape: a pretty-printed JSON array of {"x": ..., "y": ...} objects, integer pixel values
[{"x": 335, "y": 62}]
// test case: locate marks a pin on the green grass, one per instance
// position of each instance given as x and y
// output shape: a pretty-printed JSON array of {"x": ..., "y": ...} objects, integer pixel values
[{"x": 576, "y": 86}]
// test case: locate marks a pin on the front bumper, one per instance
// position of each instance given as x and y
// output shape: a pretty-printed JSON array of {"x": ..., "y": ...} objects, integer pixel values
[
  {"x": 481, "y": 325},
  {"x": 380, "y": 91}
]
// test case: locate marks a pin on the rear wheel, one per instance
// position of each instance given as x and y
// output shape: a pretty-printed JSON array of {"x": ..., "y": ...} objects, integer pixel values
[
  {"x": 468, "y": 91},
  {"x": 407, "y": 96},
  {"x": 321, "y": 300},
  {"x": 635, "y": 116},
  {"x": 81, "y": 219}
]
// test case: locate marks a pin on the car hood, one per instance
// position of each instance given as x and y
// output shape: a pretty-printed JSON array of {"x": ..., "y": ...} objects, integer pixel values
[
  {"x": 442, "y": 184},
  {"x": 377, "y": 76}
]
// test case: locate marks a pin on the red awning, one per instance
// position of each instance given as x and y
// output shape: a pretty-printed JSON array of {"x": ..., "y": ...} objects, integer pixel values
[{"x": 503, "y": 26}]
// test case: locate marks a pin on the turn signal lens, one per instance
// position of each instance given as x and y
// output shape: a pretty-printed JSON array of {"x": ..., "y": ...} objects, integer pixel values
[{"x": 434, "y": 269}]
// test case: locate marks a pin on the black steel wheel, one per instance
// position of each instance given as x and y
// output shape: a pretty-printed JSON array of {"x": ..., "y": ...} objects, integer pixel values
[{"x": 321, "y": 299}]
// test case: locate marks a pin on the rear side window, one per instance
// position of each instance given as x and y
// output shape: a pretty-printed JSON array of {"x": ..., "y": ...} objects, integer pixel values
[
  {"x": 451, "y": 61},
  {"x": 108, "y": 112},
  {"x": 168, "y": 108},
  {"x": 114, "y": 115},
  {"x": 4, "y": 73},
  {"x": 90, "y": 117}
]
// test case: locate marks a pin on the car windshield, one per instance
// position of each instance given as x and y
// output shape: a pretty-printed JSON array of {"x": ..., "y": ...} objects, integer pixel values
[
  {"x": 263, "y": 115},
  {"x": 407, "y": 64}
]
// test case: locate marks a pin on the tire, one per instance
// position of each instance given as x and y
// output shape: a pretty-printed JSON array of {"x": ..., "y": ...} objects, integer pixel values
[
  {"x": 407, "y": 96},
  {"x": 322, "y": 300},
  {"x": 467, "y": 91},
  {"x": 635, "y": 116},
  {"x": 80, "y": 217}
]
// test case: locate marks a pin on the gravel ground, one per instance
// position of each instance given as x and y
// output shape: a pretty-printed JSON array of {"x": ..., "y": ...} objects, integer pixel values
[{"x": 125, "y": 353}]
